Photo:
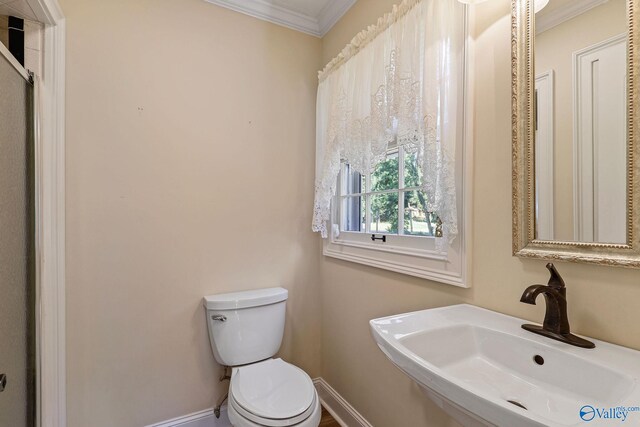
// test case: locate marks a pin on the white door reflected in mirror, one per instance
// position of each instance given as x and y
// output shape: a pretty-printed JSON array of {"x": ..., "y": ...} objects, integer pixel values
[{"x": 581, "y": 113}]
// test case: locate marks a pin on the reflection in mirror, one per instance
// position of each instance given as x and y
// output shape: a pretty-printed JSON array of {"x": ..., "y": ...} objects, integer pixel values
[{"x": 580, "y": 121}]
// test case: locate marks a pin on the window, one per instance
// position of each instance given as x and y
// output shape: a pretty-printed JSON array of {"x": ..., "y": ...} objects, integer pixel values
[{"x": 388, "y": 201}]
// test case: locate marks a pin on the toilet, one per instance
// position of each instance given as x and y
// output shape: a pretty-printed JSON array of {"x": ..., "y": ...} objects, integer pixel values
[{"x": 245, "y": 330}]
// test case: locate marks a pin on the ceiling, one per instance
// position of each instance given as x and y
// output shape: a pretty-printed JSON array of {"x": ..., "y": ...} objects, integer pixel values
[
  {"x": 306, "y": 7},
  {"x": 314, "y": 17},
  {"x": 17, "y": 8}
]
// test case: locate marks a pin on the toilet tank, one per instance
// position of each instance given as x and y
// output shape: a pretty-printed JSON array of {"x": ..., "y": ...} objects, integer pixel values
[{"x": 246, "y": 327}]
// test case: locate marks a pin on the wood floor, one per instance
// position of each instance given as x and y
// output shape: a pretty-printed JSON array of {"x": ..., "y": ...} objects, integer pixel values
[{"x": 327, "y": 420}]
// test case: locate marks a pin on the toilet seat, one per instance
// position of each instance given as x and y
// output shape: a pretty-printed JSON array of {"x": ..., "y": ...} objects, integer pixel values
[
  {"x": 272, "y": 393},
  {"x": 238, "y": 420},
  {"x": 254, "y": 419}
]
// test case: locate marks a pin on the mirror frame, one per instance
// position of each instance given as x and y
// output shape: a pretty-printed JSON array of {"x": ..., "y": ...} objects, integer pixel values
[{"x": 525, "y": 244}]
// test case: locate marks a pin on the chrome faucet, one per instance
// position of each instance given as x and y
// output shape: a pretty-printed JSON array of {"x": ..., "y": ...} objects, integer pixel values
[{"x": 556, "y": 320}]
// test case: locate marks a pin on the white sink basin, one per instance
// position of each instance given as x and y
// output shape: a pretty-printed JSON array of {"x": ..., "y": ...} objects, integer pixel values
[{"x": 473, "y": 361}]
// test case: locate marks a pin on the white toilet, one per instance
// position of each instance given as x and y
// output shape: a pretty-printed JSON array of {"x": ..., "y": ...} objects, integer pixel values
[{"x": 245, "y": 330}]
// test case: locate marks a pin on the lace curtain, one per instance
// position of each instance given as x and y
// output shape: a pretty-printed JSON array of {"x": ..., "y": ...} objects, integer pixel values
[{"x": 396, "y": 83}]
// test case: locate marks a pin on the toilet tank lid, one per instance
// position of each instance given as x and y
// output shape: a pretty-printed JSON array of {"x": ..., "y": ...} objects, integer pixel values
[{"x": 245, "y": 299}]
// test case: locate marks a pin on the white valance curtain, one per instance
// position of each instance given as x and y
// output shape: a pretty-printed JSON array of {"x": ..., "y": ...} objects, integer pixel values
[{"x": 396, "y": 83}]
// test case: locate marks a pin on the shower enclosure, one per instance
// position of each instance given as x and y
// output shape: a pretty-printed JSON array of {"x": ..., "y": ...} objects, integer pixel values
[{"x": 17, "y": 247}]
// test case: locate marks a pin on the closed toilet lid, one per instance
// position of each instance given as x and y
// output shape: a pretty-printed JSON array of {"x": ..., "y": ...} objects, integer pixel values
[{"x": 272, "y": 389}]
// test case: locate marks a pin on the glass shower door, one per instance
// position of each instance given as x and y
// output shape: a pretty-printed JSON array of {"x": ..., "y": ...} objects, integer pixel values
[{"x": 17, "y": 237}]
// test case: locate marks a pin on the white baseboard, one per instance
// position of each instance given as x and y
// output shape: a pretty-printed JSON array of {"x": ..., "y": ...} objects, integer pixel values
[
  {"x": 340, "y": 409},
  {"x": 204, "y": 418}
]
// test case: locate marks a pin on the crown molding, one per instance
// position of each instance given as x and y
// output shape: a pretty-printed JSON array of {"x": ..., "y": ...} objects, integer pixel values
[
  {"x": 565, "y": 13},
  {"x": 332, "y": 13},
  {"x": 314, "y": 25}
]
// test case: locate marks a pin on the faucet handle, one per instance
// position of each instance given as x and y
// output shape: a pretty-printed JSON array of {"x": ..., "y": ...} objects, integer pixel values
[{"x": 555, "y": 281}]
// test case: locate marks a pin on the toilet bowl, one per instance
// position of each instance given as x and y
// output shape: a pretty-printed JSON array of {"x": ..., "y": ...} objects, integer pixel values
[
  {"x": 272, "y": 393},
  {"x": 245, "y": 330}
]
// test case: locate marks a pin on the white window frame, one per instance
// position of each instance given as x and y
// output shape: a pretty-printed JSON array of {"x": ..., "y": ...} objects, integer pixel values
[
  {"x": 417, "y": 255},
  {"x": 417, "y": 245}
]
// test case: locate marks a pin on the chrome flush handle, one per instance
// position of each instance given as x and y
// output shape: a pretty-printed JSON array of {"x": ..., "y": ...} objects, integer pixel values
[{"x": 219, "y": 317}]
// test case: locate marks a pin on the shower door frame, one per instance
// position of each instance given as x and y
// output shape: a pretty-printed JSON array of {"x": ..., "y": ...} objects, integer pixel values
[
  {"x": 29, "y": 197},
  {"x": 49, "y": 112}
]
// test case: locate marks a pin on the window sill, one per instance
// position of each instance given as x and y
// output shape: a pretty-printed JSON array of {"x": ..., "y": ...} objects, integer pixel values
[
  {"x": 448, "y": 269},
  {"x": 390, "y": 248}
]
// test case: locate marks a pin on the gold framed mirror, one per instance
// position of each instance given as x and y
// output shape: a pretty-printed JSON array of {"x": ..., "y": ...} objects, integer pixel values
[{"x": 575, "y": 130}]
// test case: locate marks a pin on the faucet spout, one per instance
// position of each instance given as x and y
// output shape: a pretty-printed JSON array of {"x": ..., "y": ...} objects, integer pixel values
[
  {"x": 556, "y": 318},
  {"x": 531, "y": 293}
]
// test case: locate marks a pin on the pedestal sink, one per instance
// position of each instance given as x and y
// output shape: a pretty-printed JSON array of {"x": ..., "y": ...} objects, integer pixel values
[{"x": 483, "y": 369}]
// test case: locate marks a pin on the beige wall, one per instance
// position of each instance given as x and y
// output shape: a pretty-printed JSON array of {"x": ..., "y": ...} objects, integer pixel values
[
  {"x": 554, "y": 51},
  {"x": 602, "y": 301},
  {"x": 190, "y": 158}
]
